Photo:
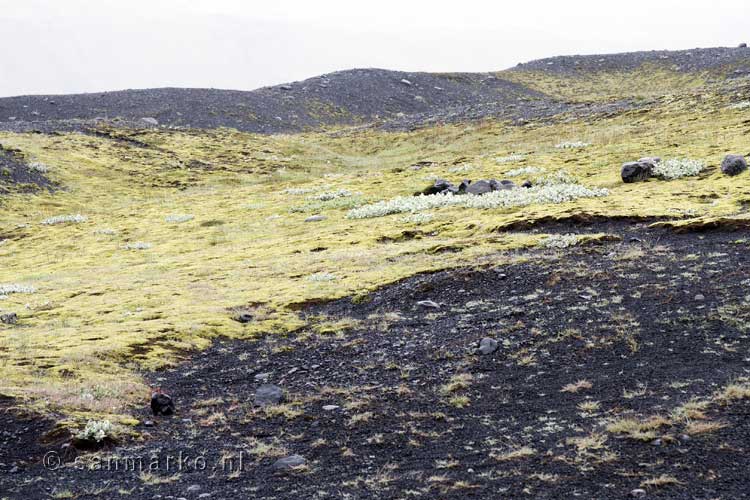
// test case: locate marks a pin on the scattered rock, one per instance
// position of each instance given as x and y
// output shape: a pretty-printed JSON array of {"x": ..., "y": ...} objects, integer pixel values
[
  {"x": 330, "y": 407},
  {"x": 479, "y": 187},
  {"x": 150, "y": 121},
  {"x": 286, "y": 87},
  {"x": 464, "y": 185},
  {"x": 148, "y": 423},
  {"x": 656, "y": 442},
  {"x": 684, "y": 438},
  {"x": 262, "y": 377},
  {"x": 268, "y": 394},
  {"x": 506, "y": 184},
  {"x": 9, "y": 318},
  {"x": 428, "y": 304},
  {"x": 162, "y": 404},
  {"x": 194, "y": 488},
  {"x": 290, "y": 462},
  {"x": 636, "y": 171},
  {"x": 406, "y": 82},
  {"x": 439, "y": 186},
  {"x": 526, "y": 184},
  {"x": 243, "y": 318},
  {"x": 700, "y": 297},
  {"x": 638, "y": 492},
  {"x": 742, "y": 46},
  {"x": 315, "y": 218},
  {"x": 487, "y": 345},
  {"x": 733, "y": 164}
]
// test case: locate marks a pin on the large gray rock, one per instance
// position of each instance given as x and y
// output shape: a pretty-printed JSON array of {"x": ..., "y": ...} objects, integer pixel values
[
  {"x": 733, "y": 164},
  {"x": 479, "y": 187},
  {"x": 636, "y": 171},
  {"x": 287, "y": 463},
  {"x": 268, "y": 394}
]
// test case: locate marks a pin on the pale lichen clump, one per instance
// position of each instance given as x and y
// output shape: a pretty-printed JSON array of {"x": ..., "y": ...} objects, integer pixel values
[
  {"x": 9, "y": 288},
  {"x": 542, "y": 194},
  {"x": 137, "y": 245},
  {"x": 322, "y": 276},
  {"x": 178, "y": 218},
  {"x": 96, "y": 431},
  {"x": 676, "y": 168},
  {"x": 418, "y": 218},
  {"x": 330, "y": 195},
  {"x": 560, "y": 240},
  {"x": 65, "y": 219},
  {"x": 524, "y": 171},
  {"x": 510, "y": 158},
  {"x": 572, "y": 145}
]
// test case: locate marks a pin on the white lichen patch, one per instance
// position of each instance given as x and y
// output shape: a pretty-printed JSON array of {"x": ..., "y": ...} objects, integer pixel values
[
  {"x": 572, "y": 145},
  {"x": 322, "y": 276},
  {"x": 524, "y": 171},
  {"x": 65, "y": 219},
  {"x": 543, "y": 194},
  {"x": 137, "y": 245},
  {"x": 510, "y": 158},
  {"x": 417, "y": 218},
  {"x": 178, "y": 218},
  {"x": 96, "y": 431},
  {"x": 9, "y": 288},
  {"x": 675, "y": 168},
  {"x": 560, "y": 240}
]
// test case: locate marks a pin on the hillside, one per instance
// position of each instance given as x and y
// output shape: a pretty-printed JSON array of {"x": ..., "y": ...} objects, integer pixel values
[{"x": 578, "y": 337}]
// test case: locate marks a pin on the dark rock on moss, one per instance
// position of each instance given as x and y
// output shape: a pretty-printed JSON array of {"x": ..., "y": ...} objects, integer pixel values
[
  {"x": 9, "y": 318},
  {"x": 479, "y": 187},
  {"x": 733, "y": 164},
  {"x": 439, "y": 186},
  {"x": 636, "y": 171},
  {"x": 526, "y": 184},
  {"x": 162, "y": 404},
  {"x": 464, "y": 185}
]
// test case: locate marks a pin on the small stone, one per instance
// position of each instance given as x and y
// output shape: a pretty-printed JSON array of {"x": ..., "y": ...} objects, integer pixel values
[
  {"x": 315, "y": 218},
  {"x": 656, "y": 442},
  {"x": 742, "y": 46},
  {"x": 406, "y": 82},
  {"x": 526, "y": 184},
  {"x": 683, "y": 438},
  {"x": 700, "y": 297},
  {"x": 330, "y": 407},
  {"x": 285, "y": 87},
  {"x": 148, "y": 423},
  {"x": 428, "y": 304},
  {"x": 638, "y": 492},
  {"x": 204, "y": 495},
  {"x": 262, "y": 377},
  {"x": 9, "y": 318},
  {"x": 290, "y": 462},
  {"x": 268, "y": 394},
  {"x": 150, "y": 121},
  {"x": 487, "y": 345},
  {"x": 733, "y": 165},
  {"x": 162, "y": 404},
  {"x": 193, "y": 488},
  {"x": 244, "y": 318}
]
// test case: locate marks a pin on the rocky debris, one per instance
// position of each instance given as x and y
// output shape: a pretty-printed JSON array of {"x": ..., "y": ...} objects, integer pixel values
[
  {"x": 9, "y": 318},
  {"x": 194, "y": 488},
  {"x": 162, "y": 404},
  {"x": 288, "y": 463},
  {"x": 637, "y": 493},
  {"x": 406, "y": 82},
  {"x": 636, "y": 171},
  {"x": 526, "y": 184},
  {"x": 700, "y": 297},
  {"x": 150, "y": 121},
  {"x": 330, "y": 407},
  {"x": 315, "y": 218},
  {"x": 487, "y": 346},
  {"x": 268, "y": 395},
  {"x": 428, "y": 304},
  {"x": 742, "y": 46},
  {"x": 733, "y": 164},
  {"x": 479, "y": 187}
]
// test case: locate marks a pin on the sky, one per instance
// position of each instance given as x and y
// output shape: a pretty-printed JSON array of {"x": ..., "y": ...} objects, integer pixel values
[{"x": 74, "y": 46}]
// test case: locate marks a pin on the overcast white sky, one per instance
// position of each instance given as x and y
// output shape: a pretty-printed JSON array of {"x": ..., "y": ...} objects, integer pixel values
[{"x": 67, "y": 46}]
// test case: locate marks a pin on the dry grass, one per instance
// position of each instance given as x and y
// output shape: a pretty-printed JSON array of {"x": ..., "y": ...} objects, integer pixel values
[{"x": 577, "y": 386}]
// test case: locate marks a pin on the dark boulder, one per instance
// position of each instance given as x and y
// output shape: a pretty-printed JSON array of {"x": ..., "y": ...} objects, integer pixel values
[
  {"x": 464, "y": 185},
  {"x": 288, "y": 463},
  {"x": 487, "y": 345},
  {"x": 479, "y": 187},
  {"x": 162, "y": 404},
  {"x": 268, "y": 394},
  {"x": 439, "y": 186},
  {"x": 526, "y": 184},
  {"x": 733, "y": 164},
  {"x": 636, "y": 171},
  {"x": 743, "y": 46}
]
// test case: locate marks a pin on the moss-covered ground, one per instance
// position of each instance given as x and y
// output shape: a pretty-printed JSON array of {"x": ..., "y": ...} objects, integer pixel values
[{"x": 127, "y": 290}]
